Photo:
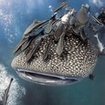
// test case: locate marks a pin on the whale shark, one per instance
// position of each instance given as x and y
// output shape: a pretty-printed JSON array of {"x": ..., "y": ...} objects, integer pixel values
[{"x": 59, "y": 56}]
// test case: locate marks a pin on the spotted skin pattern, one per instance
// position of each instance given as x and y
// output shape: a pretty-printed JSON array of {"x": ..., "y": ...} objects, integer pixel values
[{"x": 77, "y": 60}]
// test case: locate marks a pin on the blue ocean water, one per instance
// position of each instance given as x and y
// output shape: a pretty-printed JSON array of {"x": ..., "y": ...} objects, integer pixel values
[{"x": 15, "y": 17}]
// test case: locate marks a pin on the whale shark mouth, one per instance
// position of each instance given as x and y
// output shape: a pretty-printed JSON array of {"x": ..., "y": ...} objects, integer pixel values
[{"x": 45, "y": 79}]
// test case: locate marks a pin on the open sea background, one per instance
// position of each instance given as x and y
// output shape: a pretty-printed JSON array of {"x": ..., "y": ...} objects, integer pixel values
[{"x": 15, "y": 17}]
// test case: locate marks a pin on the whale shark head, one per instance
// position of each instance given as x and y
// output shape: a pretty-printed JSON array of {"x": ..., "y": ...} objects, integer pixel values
[{"x": 40, "y": 63}]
